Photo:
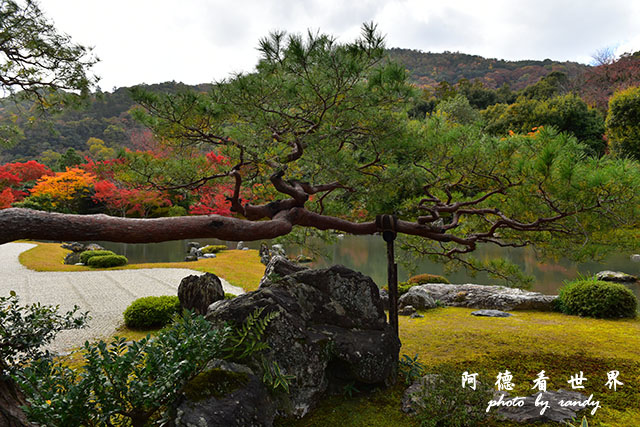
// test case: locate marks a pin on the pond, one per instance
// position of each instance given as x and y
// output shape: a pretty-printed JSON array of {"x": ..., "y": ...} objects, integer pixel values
[{"x": 367, "y": 254}]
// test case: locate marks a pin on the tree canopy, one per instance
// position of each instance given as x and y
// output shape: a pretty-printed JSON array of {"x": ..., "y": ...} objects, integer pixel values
[
  {"x": 319, "y": 136},
  {"x": 34, "y": 56}
]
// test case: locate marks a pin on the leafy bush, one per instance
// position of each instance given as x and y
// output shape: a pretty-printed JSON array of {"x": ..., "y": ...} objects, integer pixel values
[
  {"x": 443, "y": 402},
  {"x": 133, "y": 384},
  {"x": 106, "y": 261},
  {"x": 24, "y": 330},
  {"x": 151, "y": 312},
  {"x": 594, "y": 298},
  {"x": 421, "y": 279},
  {"x": 410, "y": 368},
  {"x": 213, "y": 249},
  {"x": 623, "y": 122},
  {"x": 120, "y": 383},
  {"x": 86, "y": 255}
]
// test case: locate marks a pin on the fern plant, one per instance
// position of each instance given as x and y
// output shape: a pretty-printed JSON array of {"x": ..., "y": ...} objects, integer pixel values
[
  {"x": 248, "y": 339},
  {"x": 274, "y": 377}
]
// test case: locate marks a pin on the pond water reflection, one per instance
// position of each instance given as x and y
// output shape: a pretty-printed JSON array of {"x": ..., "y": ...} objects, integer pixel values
[{"x": 367, "y": 254}]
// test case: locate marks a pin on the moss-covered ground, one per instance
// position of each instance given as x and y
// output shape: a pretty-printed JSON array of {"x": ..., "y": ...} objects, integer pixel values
[
  {"x": 524, "y": 344},
  {"x": 240, "y": 268}
]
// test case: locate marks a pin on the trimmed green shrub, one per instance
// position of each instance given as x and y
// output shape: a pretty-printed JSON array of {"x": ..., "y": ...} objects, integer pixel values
[
  {"x": 594, "y": 298},
  {"x": 86, "y": 255},
  {"x": 213, "y": 249},
  {"x": 151, "y": 312},
  {"x": 421, "y": 279},
  {"x": 106, "y": 261}
]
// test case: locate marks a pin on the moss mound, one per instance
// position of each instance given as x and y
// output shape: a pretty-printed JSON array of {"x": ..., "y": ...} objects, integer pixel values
[
  {"x": 151, "y": 312},
  {"x": 594, "y": 298},
  {"x": 107, "y": 261},
  {"x": 87, "y": 255}
]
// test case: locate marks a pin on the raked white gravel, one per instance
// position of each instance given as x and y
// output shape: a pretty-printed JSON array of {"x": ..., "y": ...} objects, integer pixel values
[{"x": 105, "y": 294}]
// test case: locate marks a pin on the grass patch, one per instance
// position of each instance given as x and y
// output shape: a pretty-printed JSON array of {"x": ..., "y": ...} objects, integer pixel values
[
  {"x": 240, "y": 268},
  {"x": 525, "y": 344}
]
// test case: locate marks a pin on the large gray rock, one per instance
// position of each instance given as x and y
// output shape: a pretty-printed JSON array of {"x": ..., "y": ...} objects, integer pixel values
[
  {"x": 76, "y": 249},
  {"x": 74, "y": 246},
  {"x": 384, "y": 297},
  {"x": 93, "y": 247},
  {"x": 196, "y": 252},
  {"x": 615, "y": 276},
  {"x": 236, "y": 397},
  {"x": 192, "y": 245},
  {"x": 197, "y": 293},
  {"x": 331, "y": 330},
  {"x": 418, "y": 298},
  {"x": 279, "y": 267},
  {"x": 72, "y": 258},
  {"x": 490, "y": 297}
]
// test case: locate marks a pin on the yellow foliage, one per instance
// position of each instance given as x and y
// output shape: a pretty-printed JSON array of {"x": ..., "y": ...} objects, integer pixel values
[{"x": 63, "y": 186}]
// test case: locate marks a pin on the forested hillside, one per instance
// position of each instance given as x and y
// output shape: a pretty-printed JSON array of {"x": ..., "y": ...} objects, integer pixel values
[
  {"x": 426, "y": 68},
  {"x": 105, "y": 117},
  {"x": 104, "y": 124}
]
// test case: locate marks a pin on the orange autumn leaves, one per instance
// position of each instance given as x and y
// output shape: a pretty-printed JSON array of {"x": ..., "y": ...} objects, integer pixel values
[{"x": 63, "y": 188}]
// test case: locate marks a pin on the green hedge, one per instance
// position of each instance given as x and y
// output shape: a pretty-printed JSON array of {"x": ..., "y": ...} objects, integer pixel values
[
  {"x": 151, "y": 312},
  {"x": 86, "y": 255},
  {"x": 106, "y": 261},
  {"x": 594, "y": 298}
]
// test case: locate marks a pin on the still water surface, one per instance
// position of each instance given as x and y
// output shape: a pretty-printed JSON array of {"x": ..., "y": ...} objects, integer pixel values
[{"x": 367, "y": 254}]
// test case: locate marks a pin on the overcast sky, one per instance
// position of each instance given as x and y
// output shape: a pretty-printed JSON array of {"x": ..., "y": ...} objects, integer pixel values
[{"x": 200, "y": 41}]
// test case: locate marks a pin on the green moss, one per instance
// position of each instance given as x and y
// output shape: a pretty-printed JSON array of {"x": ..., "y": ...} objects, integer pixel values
[
  {"x": 525, "y": 344},
  {"x": 213, "y": 249},
  {"x": 380, "y": 408},
  {"x": 214, "y": 383}
]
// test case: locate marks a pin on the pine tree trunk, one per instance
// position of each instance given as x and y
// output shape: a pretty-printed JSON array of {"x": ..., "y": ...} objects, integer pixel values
[{"x": 11, "y": 398}]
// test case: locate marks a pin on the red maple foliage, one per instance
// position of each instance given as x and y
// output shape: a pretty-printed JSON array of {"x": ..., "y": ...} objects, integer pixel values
[
  {"x": 600, "y": 82},
  {"x": 17, "y": 178}
]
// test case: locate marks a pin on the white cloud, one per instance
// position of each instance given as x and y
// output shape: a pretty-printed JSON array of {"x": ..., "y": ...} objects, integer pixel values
[{"x": 197, "y": 41}]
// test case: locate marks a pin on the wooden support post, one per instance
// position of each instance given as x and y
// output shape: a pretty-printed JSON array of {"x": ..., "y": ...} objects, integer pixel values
[
  {"x": 387, "y": 225},
  {"x": 392, "y": 280}
]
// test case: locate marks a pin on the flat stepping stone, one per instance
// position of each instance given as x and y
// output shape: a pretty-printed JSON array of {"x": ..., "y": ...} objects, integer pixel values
[{"x": 491, "y": 313}]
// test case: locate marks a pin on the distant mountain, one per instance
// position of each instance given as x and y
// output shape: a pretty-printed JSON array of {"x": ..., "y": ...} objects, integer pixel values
[
  {"x": 429, "y": 69},
  {"x": 106, "y": 116}
]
